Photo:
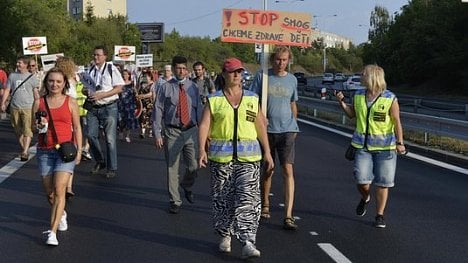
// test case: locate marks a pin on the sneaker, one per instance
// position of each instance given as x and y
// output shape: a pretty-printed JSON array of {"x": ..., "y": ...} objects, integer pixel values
[
  {"x": 361, "y": 208},
  {"x": 63, "y": 225},
  {"x": 97, "y": 167},
  {"x": 174, "y": 209},
  {"x": 51, "y": 238},
  {"x": 86, "y": 155},
  {"x": 111, "y": 174},
  {"x": 380, "y": 221},
  {"x": 249, "y": 250},
  {"x": 289, "y": 224},
  {"x": 127, "y": 139},
  {"x": 225, "y": 244}
]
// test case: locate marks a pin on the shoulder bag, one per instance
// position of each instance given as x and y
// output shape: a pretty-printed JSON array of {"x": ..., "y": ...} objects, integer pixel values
[
  {"x": 66, "y": 150},
  {"x": 8, "y": 108}
]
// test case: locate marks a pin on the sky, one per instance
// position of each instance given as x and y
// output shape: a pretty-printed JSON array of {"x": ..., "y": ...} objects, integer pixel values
[{"x": 203, "y": 17}]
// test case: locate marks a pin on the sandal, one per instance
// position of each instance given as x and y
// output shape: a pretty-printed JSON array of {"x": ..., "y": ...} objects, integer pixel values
[
  {"x": 24, "y": 157},
  {"x": 265, "y": 214},
  {"x": 289, "y": 224},
  {"x": 69, "y": 195}
]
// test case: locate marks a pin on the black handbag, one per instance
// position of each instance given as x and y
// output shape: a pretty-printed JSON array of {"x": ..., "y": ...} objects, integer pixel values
[
  {"x": 66, "y": 150},
  {"x": 350, "y": 153}
]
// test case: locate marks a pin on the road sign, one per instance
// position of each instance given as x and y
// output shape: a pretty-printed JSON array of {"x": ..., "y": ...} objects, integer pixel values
[
  {"x": 151, "y": 32},
  {"x": 258, "y": 48}
]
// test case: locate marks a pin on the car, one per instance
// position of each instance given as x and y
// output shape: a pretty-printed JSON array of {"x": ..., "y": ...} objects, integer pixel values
[
  {"x": 247, "y": 79},
  {"x": 352, "y": 83},
  {"x": 246, "y": 75},
  {"x": 340, "y": 77},
  {"x": 328, "y": 78},
  {"x": 301, "y": 79}
]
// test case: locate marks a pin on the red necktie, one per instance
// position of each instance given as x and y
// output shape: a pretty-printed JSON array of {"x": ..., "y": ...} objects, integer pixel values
[{"x": 184, "y": 113}]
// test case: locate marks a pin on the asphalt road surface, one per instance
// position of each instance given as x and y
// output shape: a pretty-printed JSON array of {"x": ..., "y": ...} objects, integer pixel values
[{"x": 125, "y": 219}]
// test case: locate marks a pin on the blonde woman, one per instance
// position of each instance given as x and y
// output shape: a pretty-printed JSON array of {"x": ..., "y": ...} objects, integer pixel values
[{"x": 378, "y": 138}]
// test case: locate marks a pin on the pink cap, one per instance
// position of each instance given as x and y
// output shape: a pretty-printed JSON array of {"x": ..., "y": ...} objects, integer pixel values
[{"x": 232, "y": 64}]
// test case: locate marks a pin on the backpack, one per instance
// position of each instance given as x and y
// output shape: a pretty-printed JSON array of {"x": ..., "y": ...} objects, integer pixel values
[{"x": 109, "y": 69}]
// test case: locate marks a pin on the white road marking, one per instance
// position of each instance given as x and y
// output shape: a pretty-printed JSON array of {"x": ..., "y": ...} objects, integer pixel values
[
  {"x": 13, "y": 166},
  {"x": 313, "y": 233},
  {"x": 410, "y": 155},
  {"x": 334, "y": 253}
]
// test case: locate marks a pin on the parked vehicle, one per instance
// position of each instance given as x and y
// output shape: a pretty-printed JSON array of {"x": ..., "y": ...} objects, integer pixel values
[
  {"x": 352, "y": 83},
  {"x": 247, "y": 79},
  {"x": 340, "y": 77},
  {"x": 301, "y": 79},
  {"x": 328, "y": 78}
]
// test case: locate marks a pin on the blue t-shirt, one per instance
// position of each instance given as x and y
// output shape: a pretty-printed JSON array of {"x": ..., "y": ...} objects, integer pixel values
[{"x": 282, "y": 90}]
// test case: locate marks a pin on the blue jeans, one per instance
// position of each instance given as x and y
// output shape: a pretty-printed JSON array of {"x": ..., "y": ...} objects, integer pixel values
[
  {"x": 106, "y": 117},
  {"x": 377, "y": 167}
]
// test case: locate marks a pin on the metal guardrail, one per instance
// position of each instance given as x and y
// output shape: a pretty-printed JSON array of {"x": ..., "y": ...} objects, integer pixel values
[
  {"x": 418, "y": 122},
  {"x": 427, "y": 106}
]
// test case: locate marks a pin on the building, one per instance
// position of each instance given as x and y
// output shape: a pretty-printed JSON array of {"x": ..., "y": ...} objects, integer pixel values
[
  {"x": 102, "y": 8},
  {"x": 331, "y": 40}
]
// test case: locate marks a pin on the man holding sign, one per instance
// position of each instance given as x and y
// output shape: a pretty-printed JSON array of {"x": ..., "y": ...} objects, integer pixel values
[{"x": 282, "y": 128}]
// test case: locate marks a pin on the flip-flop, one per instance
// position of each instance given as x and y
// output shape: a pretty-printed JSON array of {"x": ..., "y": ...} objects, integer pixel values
[
  {"x": 24, "y": 157},
  {"x": 265, "y": 214}
]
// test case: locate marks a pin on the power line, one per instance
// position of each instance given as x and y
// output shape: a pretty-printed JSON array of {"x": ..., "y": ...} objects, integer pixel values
[{"x": 203, "y": 16}]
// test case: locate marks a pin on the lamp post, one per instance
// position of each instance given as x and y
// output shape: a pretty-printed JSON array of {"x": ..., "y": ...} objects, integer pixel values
[{"x": 324, "y": 42}]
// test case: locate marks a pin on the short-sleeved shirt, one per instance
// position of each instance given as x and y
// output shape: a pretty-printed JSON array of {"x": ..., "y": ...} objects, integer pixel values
[
  {"x": 3, "y": 79},
  {"x": 24, "y": 96},
  {"x": 282, "y": 90},
  {"x": 106, "y": 81}
]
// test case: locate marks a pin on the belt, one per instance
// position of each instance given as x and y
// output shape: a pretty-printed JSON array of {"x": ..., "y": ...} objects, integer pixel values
[
  {"x": 182, "y": 128},
  {"x": 98, "y": 106}
]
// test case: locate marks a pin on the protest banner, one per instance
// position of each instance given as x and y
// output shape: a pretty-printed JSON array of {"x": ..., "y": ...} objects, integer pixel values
[
  {"x": 124, "y": 53},
  {"x": 34, "y": 45},
  {"x": 48, "y": 61},
  {"x": 266, "y": 27},
  {"x": 144, "y": 60}
]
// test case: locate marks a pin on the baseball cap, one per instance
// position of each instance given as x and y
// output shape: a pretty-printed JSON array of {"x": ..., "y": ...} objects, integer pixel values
[{"x": 232, "y": 64}]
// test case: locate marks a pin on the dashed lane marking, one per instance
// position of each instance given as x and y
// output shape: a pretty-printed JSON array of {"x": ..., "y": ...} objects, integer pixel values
[{"x": 334, "y": 253}]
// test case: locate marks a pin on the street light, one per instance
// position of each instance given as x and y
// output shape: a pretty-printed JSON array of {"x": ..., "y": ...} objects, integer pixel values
[{"x": 324, "y": 42}]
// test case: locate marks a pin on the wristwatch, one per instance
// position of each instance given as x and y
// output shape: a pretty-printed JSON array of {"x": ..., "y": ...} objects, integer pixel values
[{"x": 400, "y": 143}]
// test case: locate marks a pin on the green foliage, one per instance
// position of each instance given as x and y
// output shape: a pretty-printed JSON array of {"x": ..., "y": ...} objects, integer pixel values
[{"x": 425, "y": 43}]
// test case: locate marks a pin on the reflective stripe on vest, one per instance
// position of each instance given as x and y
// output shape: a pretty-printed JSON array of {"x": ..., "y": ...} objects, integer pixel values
[
  {"x": 381, "y": 134},
  {"x": 221, "y": 148}
]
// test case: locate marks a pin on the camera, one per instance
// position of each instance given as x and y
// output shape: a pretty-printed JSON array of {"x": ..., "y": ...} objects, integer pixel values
[
  {"x": 98, "y": 87},
  {"x": 40, "y": 114}
]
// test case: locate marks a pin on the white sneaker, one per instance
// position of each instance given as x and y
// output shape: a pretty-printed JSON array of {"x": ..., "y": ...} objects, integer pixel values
[
  {"x": 63, "y": 225},
  {"x": 225, "y": 244},
  {"x": 127, "y": 139},
  {"x": 249, "y": 251},
  {"x": 51, "y": 238}
]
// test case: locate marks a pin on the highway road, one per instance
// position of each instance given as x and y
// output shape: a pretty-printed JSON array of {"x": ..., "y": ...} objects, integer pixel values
[{"x": 125, "y": 219}]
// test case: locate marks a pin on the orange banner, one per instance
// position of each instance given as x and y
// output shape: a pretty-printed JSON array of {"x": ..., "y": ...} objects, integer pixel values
[{"x": 266, "y": 27}]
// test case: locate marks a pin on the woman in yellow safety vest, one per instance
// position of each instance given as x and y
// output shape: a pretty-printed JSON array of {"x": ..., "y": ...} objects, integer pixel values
[
  {"x": 233, "y": 131},
  {"x": 378, "y": 138}
]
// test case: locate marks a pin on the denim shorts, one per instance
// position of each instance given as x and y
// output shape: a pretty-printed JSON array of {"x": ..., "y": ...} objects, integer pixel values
[
  {"x": 377, "y": 167},
  {"x": 49, "y": 162}
]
